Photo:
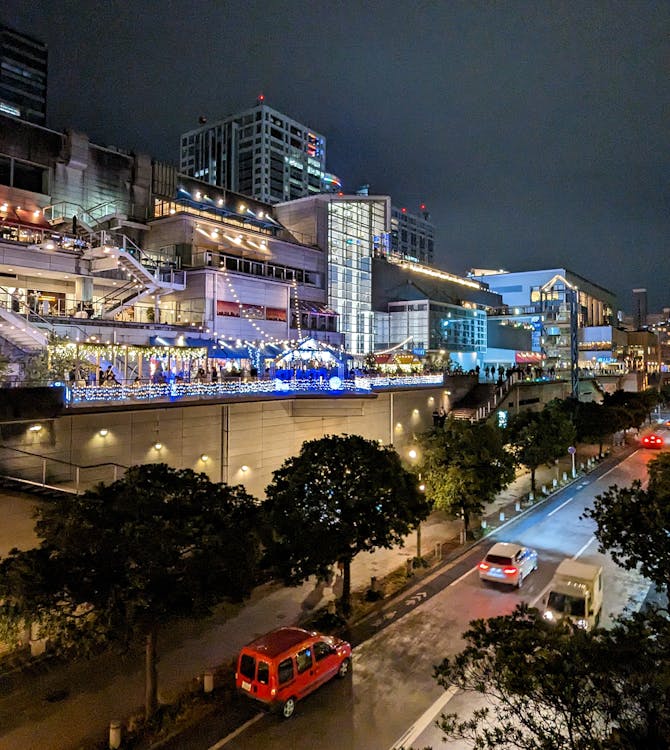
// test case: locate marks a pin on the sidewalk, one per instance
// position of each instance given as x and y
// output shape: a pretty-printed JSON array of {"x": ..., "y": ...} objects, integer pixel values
[{"x": 62, "y": 707}]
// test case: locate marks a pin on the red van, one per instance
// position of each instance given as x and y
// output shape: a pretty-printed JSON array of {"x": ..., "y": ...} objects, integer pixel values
[{"x": 286, "y": 664}]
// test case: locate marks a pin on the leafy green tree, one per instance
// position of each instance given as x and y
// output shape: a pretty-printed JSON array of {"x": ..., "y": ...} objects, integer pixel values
[
  {"x": 637, "y": 405},
  {"x": 595, "y": 422},
  {"x": 555, "y": 686},
  {"x": 464, "y": 466},
  {"x": 540, "y": 437},
  {"x": 340, "y": 496},
  {"x": 126, "y": 558},
  {"x": 633, "y": 524}
]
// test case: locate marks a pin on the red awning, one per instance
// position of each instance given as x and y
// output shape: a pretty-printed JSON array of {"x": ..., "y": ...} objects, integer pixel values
[
  {"x": 24, "y": 217},
  {"x": 528, "y": 358}
]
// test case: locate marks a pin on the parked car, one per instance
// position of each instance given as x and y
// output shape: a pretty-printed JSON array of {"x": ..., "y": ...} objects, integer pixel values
[
  {"x": 287, "y": 664},
  {"x": 652, "y": 441},
  {"x": 508, "y": 563}
]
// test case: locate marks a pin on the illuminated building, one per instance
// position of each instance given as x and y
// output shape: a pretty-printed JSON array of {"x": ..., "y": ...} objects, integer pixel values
[
  {"x": 412, "y": 235},
  {"x": 544, "y": 293},
  {"x": 350, "y": 230},
  {"x": 23, "y": 76},
  {"x": 261, "y": 153}
]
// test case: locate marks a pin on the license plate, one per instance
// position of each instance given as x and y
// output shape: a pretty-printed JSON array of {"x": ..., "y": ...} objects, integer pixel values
[
  {"x": 497, "y": 572},
  {"x": 246, "y": 685}
]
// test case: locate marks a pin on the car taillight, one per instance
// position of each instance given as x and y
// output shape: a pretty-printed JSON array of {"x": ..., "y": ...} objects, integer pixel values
[
  {"x": 509, "y": 571},
  {"x": 484, "y": 566}
]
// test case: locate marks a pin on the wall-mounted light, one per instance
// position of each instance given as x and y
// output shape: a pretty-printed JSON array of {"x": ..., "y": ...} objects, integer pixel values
[
  {"x": 412, "y": 453},
  {"x": 422, "y": 487},
  {"x": 398, "y": 426},
  {"x": 35, "y": 427},
  {"x": 244, "y": 468},
  {"x": 204, "y": 458},
  {"x": 158, "y": 445},
  {"x": 103, "y": 432}
]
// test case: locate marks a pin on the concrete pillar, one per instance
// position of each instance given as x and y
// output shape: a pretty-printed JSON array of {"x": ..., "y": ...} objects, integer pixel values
[
  {"x": 484, "y": 524},
  {"x": 565, "y": 476},
  {"x": 83, "y": 289},
  {"x": 544, "y": 489},
  {"x": 114, "y": 734},
  {"x": 208, "y": 681},
  {"x": 517, "y": 506},
  {"x": 554, "y": 482},
  {"x": 531, "y": 497},
  {"x": 502, "y": 515}
]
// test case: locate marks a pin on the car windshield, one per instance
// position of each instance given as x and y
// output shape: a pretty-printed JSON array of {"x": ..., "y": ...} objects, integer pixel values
[
  {"x": 568, "y": 605},
  {"x": 498, "y": 560}
]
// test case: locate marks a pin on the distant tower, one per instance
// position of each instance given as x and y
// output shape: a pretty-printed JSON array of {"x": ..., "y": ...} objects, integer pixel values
[
  {"x": 259, "y": 152},
  {"x": 639, "y": 308},
  {"x": 23, "y": 76}
]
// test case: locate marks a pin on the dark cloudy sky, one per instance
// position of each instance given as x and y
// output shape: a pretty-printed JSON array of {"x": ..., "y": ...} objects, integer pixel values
[{"x": 536, "y": 132}]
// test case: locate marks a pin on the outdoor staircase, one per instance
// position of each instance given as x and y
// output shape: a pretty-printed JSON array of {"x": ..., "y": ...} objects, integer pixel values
[
  {"x": 22, "y": 334},
  {"x": 117, "y": 253},
  {"x": 91, "y": 219},
  {"x": 479, "y": 402}
]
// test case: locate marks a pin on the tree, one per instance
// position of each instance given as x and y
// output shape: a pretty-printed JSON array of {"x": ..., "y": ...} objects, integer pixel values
[
  {"x": 464, "y": 467},
  {"x": 633, "y": 524},
  {"x": 340, "y": 496},
  {"x": 538, "y": 438},
  {"x": 595, "y": 422},
  {"x": 128, "y": 557},
  {"x": 555, "y": 686}
]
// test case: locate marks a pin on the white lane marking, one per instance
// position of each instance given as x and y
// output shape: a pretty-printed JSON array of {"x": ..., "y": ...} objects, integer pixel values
[
  {"x": 583, "y": 549},
  {"x": 234, "y": 734},
  {"x": 555, "y": 510},
  {"x": 465, "y": 575},
  {"x": 424, "y": 720}
]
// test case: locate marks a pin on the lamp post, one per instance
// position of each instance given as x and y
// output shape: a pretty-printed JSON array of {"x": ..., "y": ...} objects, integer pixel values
[
  {"x": 413, "y": 457},
  {"x": 572, "y": 450}
]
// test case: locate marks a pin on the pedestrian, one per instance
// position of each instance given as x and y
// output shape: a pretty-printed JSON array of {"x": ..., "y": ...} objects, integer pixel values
[{"x": 215, "y": 374}]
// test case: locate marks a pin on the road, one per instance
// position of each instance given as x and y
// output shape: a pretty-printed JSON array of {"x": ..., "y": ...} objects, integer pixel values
[{"x": 391, "y": 698}]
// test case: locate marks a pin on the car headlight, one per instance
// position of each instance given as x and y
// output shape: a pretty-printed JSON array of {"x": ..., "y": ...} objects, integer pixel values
[
  {"x": 583, "y": 624},
  {"x": 548, "y": 615}
]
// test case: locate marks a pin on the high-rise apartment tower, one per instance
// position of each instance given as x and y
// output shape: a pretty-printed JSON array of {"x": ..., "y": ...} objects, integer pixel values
[
  {"x": 261, "y": 153},
  {"x": 23, "y": 76}
]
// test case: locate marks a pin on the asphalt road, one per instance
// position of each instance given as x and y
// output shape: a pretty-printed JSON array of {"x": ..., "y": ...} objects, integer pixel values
[{"x": 391, "y": 698}]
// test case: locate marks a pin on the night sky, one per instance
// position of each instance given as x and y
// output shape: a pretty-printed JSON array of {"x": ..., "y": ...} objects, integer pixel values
[{"x": 535, "y": 132}]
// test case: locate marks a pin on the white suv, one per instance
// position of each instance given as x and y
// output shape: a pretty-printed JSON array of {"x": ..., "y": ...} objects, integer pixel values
[{"x": 508, "y": 563}]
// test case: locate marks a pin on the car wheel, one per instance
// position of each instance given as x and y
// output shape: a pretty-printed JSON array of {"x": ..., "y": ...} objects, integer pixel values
[
  {"x": 519, "y": 582},
  {"x": 288, "y": 708},
  {"x": 345, "y": 666}
]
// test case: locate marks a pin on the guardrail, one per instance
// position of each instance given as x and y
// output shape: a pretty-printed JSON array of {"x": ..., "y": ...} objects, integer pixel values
[{"x": 36, "y": 470}]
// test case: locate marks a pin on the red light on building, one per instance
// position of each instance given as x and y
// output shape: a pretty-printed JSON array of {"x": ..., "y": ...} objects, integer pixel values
[
  {"x": 423, "y": 206},
  {"x": 261, "y": 98},
  {"x": 404, "y": 210}
]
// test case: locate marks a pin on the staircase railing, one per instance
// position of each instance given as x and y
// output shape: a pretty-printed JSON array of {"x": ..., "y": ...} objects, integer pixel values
[{"x": 36, "y": 470}]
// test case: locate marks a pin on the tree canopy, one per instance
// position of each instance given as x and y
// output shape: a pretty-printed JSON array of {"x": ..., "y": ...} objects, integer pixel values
[
  {"x": 540, "y": 437},
  {"x": 127, "y": 557},
  {"x": 464, "y": 466},
  {"x": 633, "y": 524},
  {"x": 555, "y": 686},
  {"x": 340, "y": 496}
]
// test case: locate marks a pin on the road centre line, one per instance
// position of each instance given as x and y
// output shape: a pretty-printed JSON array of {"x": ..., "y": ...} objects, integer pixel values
[
  {"x": 239, "y": 730},
  {"x": 583, "y": 549},
  {"x": 424, "y": 720},
  {"x": 555, "y": 510}
]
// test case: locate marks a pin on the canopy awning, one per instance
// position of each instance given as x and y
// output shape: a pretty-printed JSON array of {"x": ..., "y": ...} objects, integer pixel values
[
  {"x": 315, "y": 308},
  {"x": 528, "y": 358}
]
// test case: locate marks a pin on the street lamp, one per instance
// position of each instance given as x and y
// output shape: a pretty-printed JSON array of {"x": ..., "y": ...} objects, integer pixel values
[{"x": 572, "y": 450}]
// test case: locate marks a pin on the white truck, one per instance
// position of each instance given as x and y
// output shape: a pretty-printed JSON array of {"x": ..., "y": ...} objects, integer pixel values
[{"x": 576, "y": 593}]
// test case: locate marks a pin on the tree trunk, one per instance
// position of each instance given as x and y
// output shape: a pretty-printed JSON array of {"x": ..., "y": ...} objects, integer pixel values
[
  {"x": 151, "y": 675},
  {"x": 466, "y": 520},
  {"x": 346, "y": 587},
  {"x": 418, "y": 540},
  {"x": 600, "y": 449},
  {"x": 532, "y": 480}
]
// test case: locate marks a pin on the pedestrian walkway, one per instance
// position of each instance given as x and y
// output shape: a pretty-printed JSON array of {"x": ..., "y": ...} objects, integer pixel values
[{"x": 62, "y": 707}]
